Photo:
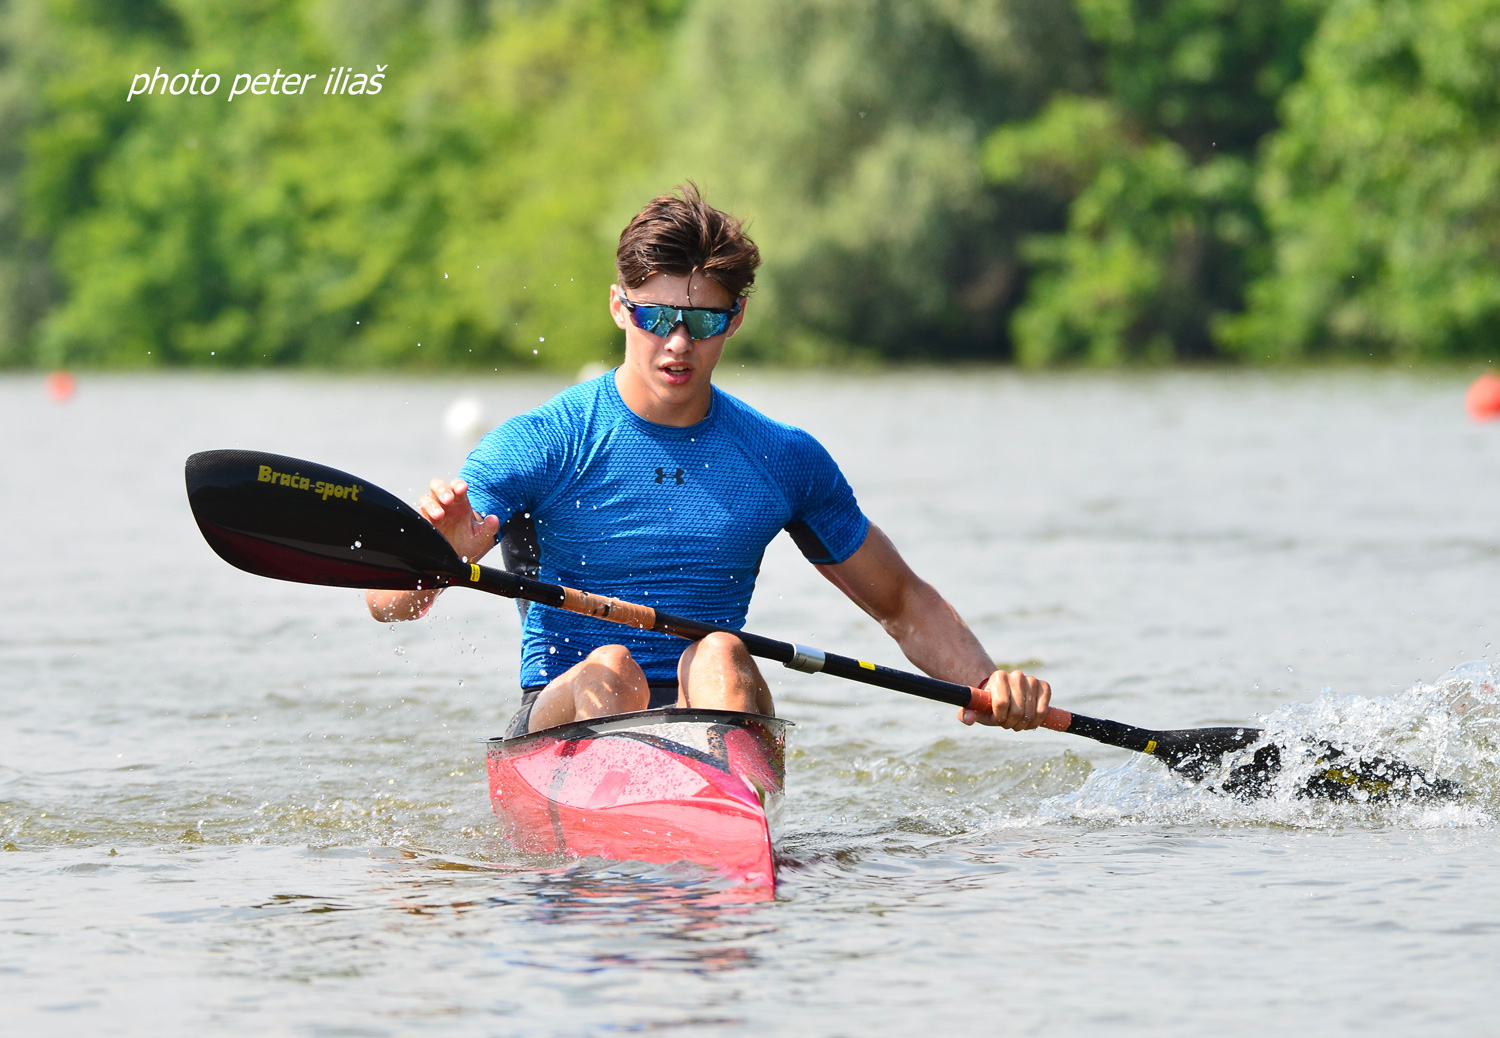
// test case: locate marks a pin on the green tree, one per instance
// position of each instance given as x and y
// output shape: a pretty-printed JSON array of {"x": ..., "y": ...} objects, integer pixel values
[
  {"x": 459, "y": 217},
  {"x": 1154, "y": 242},
  {"x": 1207, "y": 74},
  {"x": 1383, "y": 190},
  {"x": 1155, "y": 168},
  {"x": 849, "y": 130}
]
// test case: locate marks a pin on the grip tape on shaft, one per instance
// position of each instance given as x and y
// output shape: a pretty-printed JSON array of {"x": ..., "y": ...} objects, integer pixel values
[{"x": 611, "y": 609}]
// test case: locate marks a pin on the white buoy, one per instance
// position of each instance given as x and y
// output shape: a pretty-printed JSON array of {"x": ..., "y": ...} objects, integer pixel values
[{"x": 464, "y": 421}]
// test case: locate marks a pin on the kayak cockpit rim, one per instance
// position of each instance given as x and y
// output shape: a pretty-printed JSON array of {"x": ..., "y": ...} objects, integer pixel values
[{"x": 662, "y": 715}]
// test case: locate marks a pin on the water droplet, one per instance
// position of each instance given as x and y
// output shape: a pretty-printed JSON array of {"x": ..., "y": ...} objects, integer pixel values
[{"x": 400, "y": 650}]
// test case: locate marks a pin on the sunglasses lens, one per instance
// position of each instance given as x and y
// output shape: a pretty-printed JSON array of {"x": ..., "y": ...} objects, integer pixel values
[
  {"x": 702, "y": 324},
  {"x": 660, "y": 320}
]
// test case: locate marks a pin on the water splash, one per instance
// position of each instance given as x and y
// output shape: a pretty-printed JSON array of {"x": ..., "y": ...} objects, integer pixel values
[{"x": 1449, "y": 730}]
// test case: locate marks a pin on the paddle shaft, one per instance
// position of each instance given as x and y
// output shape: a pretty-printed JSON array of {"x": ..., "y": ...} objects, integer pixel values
[
  {"x": 794, "y": 656},
  {"x": 292, "y": 519},
  {"x": 1191, "y": 752}
]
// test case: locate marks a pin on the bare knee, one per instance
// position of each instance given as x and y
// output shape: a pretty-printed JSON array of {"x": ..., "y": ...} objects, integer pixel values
[
  {"x": 720, "y": 646},
  {"x": 718, "y": 672},
  {"x": 616, "y": 658},
  {"x": 611, "y": 672},
  {"x": 606, "y": 681}
]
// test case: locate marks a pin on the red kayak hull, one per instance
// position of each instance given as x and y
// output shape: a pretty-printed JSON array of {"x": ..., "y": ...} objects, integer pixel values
[{"x": 657, "y": 786}]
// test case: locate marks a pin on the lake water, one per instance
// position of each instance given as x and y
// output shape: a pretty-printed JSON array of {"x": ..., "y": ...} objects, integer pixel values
[{"x": 230, "y": 805}]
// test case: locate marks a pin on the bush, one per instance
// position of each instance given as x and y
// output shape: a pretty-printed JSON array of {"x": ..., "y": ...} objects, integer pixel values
[
  {"x": 456, "y": 219},
  {"x": 1383, "y": 190}
]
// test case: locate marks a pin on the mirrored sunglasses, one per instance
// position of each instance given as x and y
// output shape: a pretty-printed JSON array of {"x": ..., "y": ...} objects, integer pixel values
[{"x": 701, "y": 322}]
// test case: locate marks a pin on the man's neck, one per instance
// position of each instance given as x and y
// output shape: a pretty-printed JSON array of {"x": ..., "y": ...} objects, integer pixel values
[{"x": 644, "y": 402}]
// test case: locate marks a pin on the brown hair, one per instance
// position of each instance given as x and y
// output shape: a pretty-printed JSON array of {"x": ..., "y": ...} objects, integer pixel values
[{"x": 683, "y": 235}]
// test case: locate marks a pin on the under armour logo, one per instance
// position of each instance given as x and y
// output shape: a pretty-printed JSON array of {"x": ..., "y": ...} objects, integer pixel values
[{"x": 662, "y": 475}]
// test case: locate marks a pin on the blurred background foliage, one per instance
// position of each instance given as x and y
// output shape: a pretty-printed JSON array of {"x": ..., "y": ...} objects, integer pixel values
[{"x": 1049, "y": 181}]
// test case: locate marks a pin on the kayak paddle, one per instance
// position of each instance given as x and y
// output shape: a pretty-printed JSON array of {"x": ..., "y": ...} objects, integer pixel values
[{"x": 300, "y": 521}]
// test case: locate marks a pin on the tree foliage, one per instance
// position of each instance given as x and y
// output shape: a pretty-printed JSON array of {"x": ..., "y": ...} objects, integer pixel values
[
  {"x": 1383, "y": 190},
  {"x": 850, "y": 131},
  {"x": 1155, "y": 168},
  {"x": 1154, "y": 246},
  {"x": 452, "y": 219},
  {"x": 1049, "y": 180}
]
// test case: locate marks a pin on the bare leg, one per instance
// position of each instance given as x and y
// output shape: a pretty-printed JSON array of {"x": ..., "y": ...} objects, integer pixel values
[
  {"x": 718, "y": 673},
  {"x": 608, "y": 681}
]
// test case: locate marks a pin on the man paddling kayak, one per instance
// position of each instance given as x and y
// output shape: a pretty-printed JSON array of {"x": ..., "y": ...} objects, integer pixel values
[{"x": 652, "y": 485}]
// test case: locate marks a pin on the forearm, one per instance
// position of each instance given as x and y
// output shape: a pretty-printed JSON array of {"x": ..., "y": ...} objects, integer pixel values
[
  {"x": 388, "y": 606},
  {"x": 935, "y": 638},
  {"x": 933, "y": 635}
]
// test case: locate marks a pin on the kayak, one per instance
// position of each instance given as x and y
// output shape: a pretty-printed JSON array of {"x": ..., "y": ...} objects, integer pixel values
[{"x": 658, "y": 786}]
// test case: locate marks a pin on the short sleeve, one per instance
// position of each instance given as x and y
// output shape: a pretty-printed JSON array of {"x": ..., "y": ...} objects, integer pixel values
[
  {"x": 827, "y": 524},
  {"x": 513, "y": 467}
]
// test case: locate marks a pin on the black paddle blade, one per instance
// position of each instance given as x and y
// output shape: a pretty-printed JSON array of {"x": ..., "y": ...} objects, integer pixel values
[
  {"x": 1338, "y": 775},
  {"x": 1198, "y": 754},
  {"x": 297, "y": 520}
]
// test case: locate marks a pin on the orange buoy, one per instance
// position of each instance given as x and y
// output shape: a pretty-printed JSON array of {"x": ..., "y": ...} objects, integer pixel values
[{"x": 61, "y": 385}]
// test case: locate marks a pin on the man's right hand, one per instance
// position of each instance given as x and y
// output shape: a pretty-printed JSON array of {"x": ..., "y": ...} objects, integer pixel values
[
  {"x": 446, "y": 506},
  {"x": 1017, "y": 701}
]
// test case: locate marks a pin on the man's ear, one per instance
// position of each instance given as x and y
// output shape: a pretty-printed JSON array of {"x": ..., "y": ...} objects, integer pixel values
[
  {"x": 617, "y": 308},
  {"x": 737, "y": 320}
]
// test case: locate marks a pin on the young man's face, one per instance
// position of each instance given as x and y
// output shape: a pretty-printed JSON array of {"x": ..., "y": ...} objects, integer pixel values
[{"x": 672, "y": 371}]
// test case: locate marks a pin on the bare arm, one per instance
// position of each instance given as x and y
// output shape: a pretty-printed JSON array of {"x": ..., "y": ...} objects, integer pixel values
[
  {"x": 931, "y": 633},
  {"x": 446, "y": 506},
  {"x": 929, "y": 630}
]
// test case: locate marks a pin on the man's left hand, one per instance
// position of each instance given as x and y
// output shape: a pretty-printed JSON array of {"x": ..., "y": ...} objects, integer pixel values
[{"x": 1017, "y": 701}]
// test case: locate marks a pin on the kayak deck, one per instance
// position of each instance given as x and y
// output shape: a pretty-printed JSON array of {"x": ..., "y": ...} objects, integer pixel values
[{"x": 657, "y": 786}]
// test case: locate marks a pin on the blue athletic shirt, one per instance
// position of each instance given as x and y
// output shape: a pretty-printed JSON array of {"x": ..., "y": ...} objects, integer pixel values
[{"x": 671, "y": 517}]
